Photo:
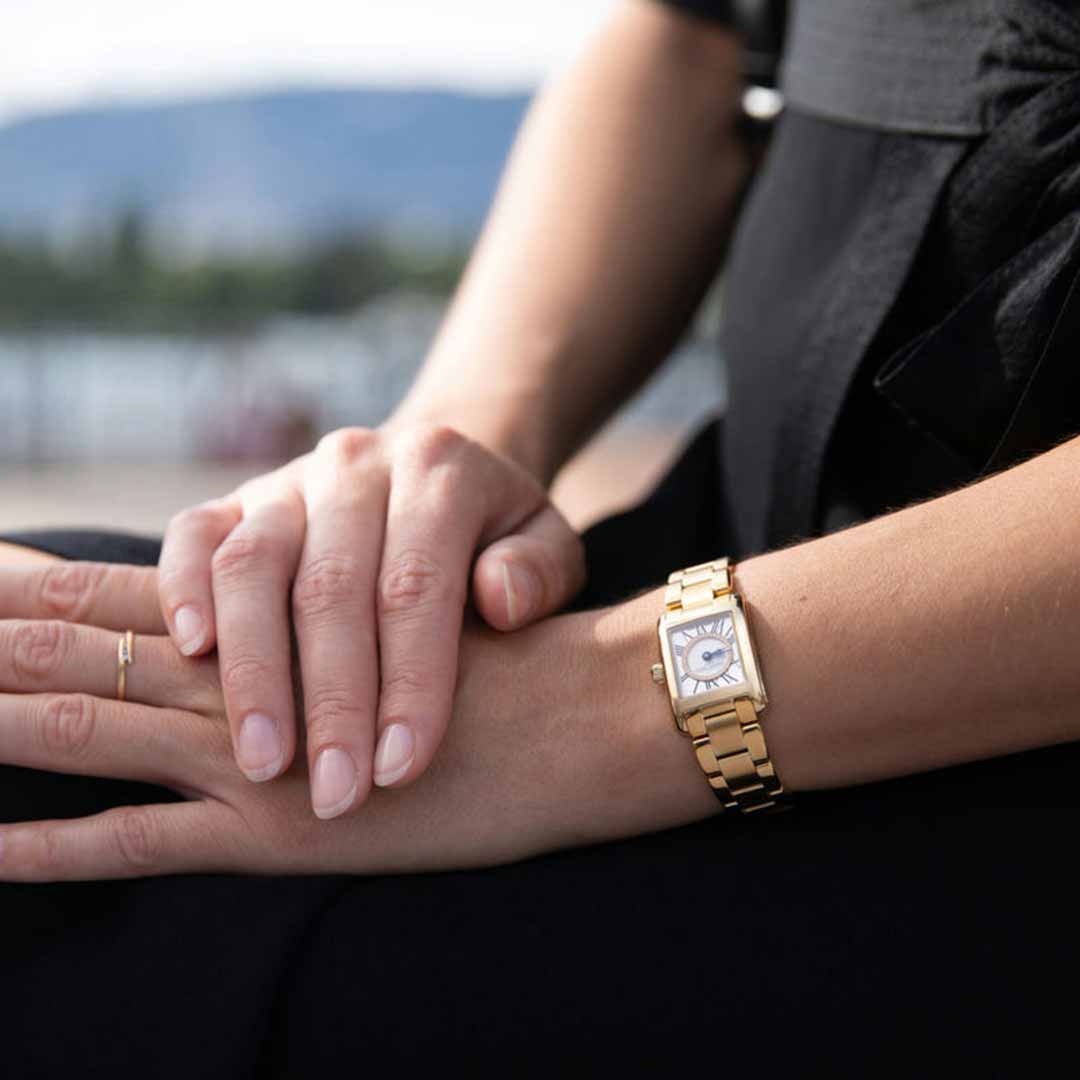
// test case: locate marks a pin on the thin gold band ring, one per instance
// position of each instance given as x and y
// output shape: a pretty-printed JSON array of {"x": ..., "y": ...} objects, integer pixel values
[{"x": 125, "y": 656}]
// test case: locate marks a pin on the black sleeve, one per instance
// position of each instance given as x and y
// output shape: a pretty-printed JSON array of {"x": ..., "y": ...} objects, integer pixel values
[{"x": 714, "y": 10}]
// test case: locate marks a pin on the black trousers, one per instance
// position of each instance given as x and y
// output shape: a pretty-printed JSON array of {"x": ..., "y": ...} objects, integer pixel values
[{"x": 872, "y": 931}]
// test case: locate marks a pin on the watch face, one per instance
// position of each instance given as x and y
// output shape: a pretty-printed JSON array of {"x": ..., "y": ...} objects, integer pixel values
[{"x": 705, "y": 654}]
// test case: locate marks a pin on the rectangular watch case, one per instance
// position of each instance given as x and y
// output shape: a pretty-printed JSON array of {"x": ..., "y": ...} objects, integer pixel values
[{"x": 751, "y": 686}]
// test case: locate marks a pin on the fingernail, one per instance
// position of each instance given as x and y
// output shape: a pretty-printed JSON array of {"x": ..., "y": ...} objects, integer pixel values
[
  {"x": 258, "y": 747},
  {"x": 522, "y": 590},
  {"x": 394, "y": 754},
  {"x": 190, "y": 629},
  {"x": 333, "y": 786}
]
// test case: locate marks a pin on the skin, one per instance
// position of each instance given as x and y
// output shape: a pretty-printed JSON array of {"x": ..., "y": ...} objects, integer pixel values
[
  {"x": 372, "y": 537},
  {"x": 495, "y": 793},
  {"x": 371, "y": 547},
  {"x": 559, "y": 737},
  {"x": 940, "y": 634},
  {"x": 14, "y": 555}
]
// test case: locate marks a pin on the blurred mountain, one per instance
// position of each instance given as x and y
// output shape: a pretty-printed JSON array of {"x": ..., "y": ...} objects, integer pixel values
[{"x": 261, "y": 172}]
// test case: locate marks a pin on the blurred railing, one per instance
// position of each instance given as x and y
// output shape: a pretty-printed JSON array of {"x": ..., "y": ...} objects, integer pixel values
[{"x": 261, "y": 396}]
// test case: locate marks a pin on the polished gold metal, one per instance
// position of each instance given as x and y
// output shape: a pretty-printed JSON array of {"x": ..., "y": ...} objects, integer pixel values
[
  {"x": 125, "y": 656},
  {"x": 724, "y": 724}
]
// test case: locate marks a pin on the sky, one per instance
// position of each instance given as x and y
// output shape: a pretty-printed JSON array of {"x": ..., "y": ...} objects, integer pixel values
[{"x": 62, "y": 53}]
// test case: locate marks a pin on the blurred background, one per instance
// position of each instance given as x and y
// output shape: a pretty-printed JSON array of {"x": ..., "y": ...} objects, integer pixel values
[{"x": 228, "y": 228}]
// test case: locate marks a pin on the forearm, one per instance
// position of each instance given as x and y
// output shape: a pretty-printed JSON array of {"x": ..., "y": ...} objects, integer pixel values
[
  {"x": 939, "y": 634},
  {"x": 943, "y": 633},
  {"x": 601, "y": 242}
]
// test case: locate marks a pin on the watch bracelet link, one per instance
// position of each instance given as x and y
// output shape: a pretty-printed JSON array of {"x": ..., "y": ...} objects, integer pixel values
[{"x": 727, "y": 738}]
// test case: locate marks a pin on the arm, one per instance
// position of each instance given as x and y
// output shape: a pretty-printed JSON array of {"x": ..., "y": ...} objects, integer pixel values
[
  {"x": 604, "y": 236},
  {"x": 951, "y": 630},
  {"x": 605, "y": 233},
  {"x": 939, "y": 634}
]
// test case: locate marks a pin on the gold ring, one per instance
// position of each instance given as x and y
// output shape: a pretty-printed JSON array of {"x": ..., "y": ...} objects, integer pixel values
[{"x": 125, "y": 656}]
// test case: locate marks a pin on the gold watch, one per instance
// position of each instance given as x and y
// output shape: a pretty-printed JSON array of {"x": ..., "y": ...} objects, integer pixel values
[{"x": 715, "y": 685}]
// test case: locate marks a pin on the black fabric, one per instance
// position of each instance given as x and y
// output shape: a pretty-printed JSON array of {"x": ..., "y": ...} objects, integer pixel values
[
  {"x": 926, "y": 284},
  {"x": 873, "y": 931},
  {"x": 721, "y": 11},
  {"x": 101, "y": 545},
  {"x": 897, "y": 64},
  {"x": 826, "y": 238}
]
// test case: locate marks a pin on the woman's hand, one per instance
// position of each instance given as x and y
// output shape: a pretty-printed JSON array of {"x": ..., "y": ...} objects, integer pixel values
[
  {"x": 559, "y": 737},
  {"x": 368, "y": 547}
]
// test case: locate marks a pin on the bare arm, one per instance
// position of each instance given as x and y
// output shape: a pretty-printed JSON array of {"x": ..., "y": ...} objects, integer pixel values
[
  {"x": 940, "y": 634},
  {"x": 602, "y": 240}
]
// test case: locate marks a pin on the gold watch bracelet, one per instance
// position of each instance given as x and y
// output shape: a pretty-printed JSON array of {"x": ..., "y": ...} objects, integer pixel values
[{"x": 727, "y": 738}]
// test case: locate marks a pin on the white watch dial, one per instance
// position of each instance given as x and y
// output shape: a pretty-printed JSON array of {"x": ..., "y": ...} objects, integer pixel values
[{"x": 705, "y": 654}]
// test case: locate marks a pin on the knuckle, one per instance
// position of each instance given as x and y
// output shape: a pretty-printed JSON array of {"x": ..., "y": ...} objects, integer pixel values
[
  {"x": 323, "y": 583},
  {"x": 239, "y": 553},
  {"x": 405, "y": 682},
  {"x": 412, "y": 579},
  {"x": 49, "y": 854},
  {"x": 432, "y": 446},
  {"x": 192, "y": 520},
  {"x": 242, "y": 674},
  {"x": 39, "y": 648},
  {"x": 67, "y": 725},
  {"x": 330, "y": 714},
  {"x": 68, "y": 589},
  {"x": 136, "y": 831},
  {"x": 346, "y": 446}
]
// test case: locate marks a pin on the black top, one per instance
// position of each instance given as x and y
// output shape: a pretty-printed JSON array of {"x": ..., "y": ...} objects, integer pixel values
[{"x": 900, "y": 313}]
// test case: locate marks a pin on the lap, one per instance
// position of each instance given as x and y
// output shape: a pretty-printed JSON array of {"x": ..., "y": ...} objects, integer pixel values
[{"x": 905, "y": 917}]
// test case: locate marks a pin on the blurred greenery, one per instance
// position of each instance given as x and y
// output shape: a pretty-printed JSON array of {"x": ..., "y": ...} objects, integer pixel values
[{"x": 123, "y": 284}]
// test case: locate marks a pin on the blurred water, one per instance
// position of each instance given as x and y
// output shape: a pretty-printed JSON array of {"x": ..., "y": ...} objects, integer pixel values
[{"x": 261, "y": 397}]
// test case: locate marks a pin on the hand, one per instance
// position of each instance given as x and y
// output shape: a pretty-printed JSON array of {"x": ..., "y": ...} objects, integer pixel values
[
  {"x": 559, "y": 738},
  {"x": 372, "y": 537}
]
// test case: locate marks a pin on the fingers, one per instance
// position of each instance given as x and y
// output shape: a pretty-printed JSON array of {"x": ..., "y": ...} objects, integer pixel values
[
  {"x": 127, "y": 842},
  {"x": 334, "y": 613},
  {"x": 117, "y": 597},
  {"x": 531, "y": 573},
  {"x": 49, "y": 655},
  {"x": 252, "y": 573},
  {"x": 185, "y": 589},
  {"x": 88, "y": 736},
  {"x": 445, "y": 493},
  {"x": 423, "y": 583}
]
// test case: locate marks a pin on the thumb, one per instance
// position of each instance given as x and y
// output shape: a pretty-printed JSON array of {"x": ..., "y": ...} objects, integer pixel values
[{"x": 529, "y": 574}]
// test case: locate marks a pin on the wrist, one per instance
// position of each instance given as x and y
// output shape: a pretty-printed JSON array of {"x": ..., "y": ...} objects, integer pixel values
[
  {"x": 576, "y": 741},
  {"x": 639, "y": 774},
  {"x": 504, "y": 423}
]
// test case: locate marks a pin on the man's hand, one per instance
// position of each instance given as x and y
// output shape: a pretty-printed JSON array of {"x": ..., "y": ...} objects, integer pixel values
[
  {"x": 558, "y": 738},
  {"x": 370, "y": 547}
]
